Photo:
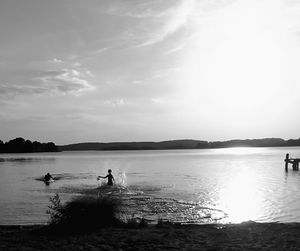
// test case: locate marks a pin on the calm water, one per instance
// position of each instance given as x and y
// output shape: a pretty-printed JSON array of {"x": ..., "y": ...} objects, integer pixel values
[{"x": 220, "y": 185}]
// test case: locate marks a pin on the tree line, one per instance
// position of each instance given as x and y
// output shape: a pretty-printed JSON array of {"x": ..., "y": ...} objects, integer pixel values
[
  {"x": 20, "y": 145},
  {"x": 180, "y": 144}
]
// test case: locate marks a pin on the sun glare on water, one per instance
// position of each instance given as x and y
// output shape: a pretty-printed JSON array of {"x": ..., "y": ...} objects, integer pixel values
[
  {"x": 239, "y": 198},
  {"x": 239, "y": 150}
]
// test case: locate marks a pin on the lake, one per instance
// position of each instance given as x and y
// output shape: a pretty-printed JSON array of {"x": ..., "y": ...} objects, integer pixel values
[{"x": 191, "y": 186}]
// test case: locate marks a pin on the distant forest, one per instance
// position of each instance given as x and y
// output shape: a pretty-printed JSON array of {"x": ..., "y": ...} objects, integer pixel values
[
  {"x": 20, "y": 145},
  {"x": 180, "y": 144}
]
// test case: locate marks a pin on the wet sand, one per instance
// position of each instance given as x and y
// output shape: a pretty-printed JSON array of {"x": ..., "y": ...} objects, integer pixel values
[{"x": 245, "y": 236}]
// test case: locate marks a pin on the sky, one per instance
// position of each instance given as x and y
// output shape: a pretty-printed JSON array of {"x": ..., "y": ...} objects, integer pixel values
[{"x": 149, "y": 70}]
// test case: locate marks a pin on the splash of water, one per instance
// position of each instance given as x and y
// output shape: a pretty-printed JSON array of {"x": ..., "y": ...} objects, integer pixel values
[{"x": 140, "y": 203}]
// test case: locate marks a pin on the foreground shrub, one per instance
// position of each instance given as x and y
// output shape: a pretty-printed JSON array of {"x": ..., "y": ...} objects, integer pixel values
[{"x": 84, "y": 213}]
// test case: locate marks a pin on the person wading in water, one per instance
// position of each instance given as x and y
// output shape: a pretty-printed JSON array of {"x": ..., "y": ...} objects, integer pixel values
[{"x": 110, "y": 178}]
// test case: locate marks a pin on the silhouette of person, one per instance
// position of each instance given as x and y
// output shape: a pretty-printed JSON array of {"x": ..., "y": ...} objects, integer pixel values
[
  {"x": 109, "y": 176},
  {"x": 48, "y": 177}
]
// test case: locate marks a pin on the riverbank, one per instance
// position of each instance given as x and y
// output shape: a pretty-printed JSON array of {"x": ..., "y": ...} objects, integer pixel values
[{"x": 244, "y": 236}]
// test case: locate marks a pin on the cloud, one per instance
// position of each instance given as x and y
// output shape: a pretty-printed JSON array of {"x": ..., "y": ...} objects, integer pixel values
[
  {"x": 137, "y": 82},
  {"x": 55, "y": 61},
  {"x": 114, "y": 103},
  {"x": 54, "y": 82},
  {"x": 171, "y": 21},
  {"x": 67, "y": 81},
  {"x": 155, "y": 19},
  {"x": 175, "y": 49},
  {"x": 7, "y": 89},
  {"x": 99, "y": 51}
]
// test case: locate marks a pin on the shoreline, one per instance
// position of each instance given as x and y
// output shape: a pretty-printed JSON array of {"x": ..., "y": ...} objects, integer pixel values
[{"x": 243, "y": 236}]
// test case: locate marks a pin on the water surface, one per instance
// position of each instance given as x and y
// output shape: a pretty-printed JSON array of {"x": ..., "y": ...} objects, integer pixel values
[{"x": 201, "y": 186}]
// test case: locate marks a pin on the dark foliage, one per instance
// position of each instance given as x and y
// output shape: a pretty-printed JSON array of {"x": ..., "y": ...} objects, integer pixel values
[
  {"x": 84, "y": 213},
  {"x": 20, "y": 145},
  {"x": 181, "y": 144},
  {"x": 56, "y": 210}
]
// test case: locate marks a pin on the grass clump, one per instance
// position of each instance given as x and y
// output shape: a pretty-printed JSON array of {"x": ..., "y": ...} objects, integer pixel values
[
  {"x": 135, "y": 222},
  {"x": 84, "y": 213}
]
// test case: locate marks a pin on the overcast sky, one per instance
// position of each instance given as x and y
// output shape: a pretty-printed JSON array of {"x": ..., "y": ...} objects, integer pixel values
[{"x": 132, "y": 70}]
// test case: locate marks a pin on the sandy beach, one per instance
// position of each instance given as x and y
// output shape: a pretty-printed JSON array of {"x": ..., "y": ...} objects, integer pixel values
[{"x": 244, "y": 236}]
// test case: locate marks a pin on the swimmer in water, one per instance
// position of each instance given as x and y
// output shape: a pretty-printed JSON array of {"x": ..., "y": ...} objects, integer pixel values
[
  {"x": 48, "y": 177},
  {"x": 109, "y": 176}
]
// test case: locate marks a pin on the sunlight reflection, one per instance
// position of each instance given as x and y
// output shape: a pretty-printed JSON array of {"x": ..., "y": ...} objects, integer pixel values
[
  {"x": 239, "y": 198},
  {"x": 239, "y": 150}
]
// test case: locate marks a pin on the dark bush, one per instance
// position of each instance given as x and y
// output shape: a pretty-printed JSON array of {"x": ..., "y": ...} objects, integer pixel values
[{"x": 84, "y": 213}]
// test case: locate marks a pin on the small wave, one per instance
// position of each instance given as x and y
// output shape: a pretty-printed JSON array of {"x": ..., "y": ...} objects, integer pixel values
[
  {"x": 26, "y": 159},
  {"x": 172, "y": 210},
  {"x": 66, "y": 176},
  {"x": 145, "y": 189},
  {"x": 43, "y": 179}
]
